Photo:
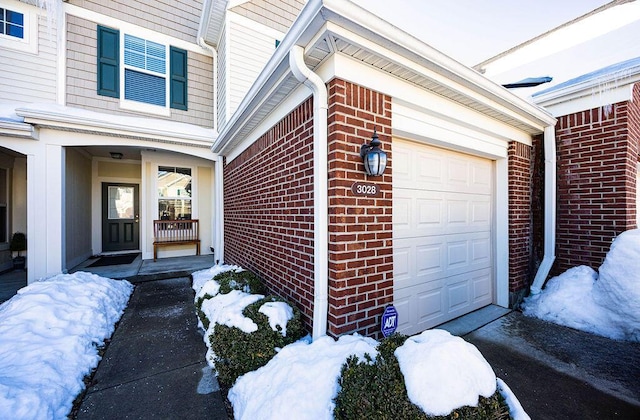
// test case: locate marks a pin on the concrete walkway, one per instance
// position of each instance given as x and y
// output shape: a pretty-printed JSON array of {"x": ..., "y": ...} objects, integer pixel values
[
  {"x": 154, "y": 367},
  {"x": 559, "y": 373}
]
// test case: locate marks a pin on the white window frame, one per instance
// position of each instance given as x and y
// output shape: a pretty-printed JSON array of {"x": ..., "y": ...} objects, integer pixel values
[
  {"x": 142, "y": 106},
  {"x": 29, "y": 43}
]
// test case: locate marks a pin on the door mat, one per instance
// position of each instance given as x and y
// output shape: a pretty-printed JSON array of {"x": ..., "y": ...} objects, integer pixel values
[{"x": 114, "y": 260}]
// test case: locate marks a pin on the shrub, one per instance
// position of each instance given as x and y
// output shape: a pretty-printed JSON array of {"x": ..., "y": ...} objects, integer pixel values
[
  {"x": 203, "y": 318},
  {"x": 374, "y": 388},
  {"x": 244, "y": 281},
  {"x": 237, "y": 352}
]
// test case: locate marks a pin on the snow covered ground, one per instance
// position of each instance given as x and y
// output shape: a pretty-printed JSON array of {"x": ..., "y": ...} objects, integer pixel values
[
  {"x": 442, "y": 372},
  {"x": 49, "y": 334},
  {"x": 605, "y": 303}
]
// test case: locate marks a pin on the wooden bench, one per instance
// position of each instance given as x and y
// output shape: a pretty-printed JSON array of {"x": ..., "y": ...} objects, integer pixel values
[{"x": 175, "y": 232}]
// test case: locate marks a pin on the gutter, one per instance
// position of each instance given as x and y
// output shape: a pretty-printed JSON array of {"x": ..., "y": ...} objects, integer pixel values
[
  {"x": 320, "y": 187},
  {"x": 549, "y": 209}
]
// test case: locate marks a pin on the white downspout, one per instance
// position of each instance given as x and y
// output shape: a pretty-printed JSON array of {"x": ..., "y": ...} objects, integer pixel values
[
  {"x": 219, "y": 211},
  {"x": 549, "y": 209},
  {"x": 214, "y": 55},
  {"x": 218, "y": 234},
  {"x": 320, "y": 188}
]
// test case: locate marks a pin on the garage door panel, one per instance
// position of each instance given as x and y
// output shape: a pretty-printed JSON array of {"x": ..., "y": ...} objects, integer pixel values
[
  {"x": 442, "y": 230},
  {"x": 432, "y": 257},
  {"x": 482, "y": 290},
  {"x": 433, "y": 213},
  {"x": 440, "y": 170}
]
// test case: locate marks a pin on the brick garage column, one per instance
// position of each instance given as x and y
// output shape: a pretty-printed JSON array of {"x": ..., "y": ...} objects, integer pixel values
[
  {"x": 519, "y": 157},
  {"x": 360, "y": 228},
  {"x": 597, "y": 166}
]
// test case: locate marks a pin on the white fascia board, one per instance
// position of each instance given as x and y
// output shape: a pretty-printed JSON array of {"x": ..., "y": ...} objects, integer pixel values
[
  {"x": 127, "y": 27},
  {"x": 596, "y": 98},
  {"x": 406, "y": 95},
  {"x": 83, "y": 139},
  {"x": 16, "y": 129},
  {"x": 415, "y": 125},
  {"x": 365, "y": 25},
  {"x": 116, "y": 127},
  {"x": 592, "y": 93},
  {"x": 450, "y": 74}
]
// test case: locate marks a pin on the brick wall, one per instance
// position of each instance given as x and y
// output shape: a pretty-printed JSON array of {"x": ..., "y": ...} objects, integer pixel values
[
  {"x": 597, "y": 157},
  {"x": 268, "y": 209},
  {"x": 519, "y": 167},
  {"x": 360, "y": 228}
]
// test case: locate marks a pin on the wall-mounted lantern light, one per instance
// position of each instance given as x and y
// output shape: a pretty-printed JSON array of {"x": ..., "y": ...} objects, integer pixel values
[{"x": 374, "y": 159}]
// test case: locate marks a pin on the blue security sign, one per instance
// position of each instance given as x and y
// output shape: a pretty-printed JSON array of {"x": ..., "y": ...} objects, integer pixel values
[{"x": 389, "y": 321}]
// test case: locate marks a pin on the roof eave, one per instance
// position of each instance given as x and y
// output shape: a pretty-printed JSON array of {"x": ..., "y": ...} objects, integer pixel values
[
  {"x": 348, "y": 15},
  {"x": 70, "y": 122}
]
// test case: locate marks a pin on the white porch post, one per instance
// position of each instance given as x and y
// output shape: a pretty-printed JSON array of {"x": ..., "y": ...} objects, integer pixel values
[{"x": 44, "y": 212}]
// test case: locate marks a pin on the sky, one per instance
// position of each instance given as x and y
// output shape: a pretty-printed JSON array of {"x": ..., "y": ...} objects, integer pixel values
[{"x": 472, "y": 31}]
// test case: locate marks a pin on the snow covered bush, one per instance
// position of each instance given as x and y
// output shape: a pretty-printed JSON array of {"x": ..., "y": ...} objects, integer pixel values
[
  {"x": 242, "y": 280},
  {"x": 605, "y": 303},
  {"x": 375, "y": 388},
  {"x": 244, "y": 329},
  {"x": 238, "y": 352}
]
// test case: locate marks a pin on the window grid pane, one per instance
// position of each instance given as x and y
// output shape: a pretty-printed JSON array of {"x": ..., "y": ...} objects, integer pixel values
[
  {"x": 144, "y": 54},
  {"x": 12, "y": 23}
]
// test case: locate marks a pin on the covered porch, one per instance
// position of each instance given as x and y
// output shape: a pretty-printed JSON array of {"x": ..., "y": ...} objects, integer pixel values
[{"x": 94, "y": 185}]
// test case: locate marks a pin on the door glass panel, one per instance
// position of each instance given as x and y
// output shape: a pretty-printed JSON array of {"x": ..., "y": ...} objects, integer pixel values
[{"x": 121, "y": 203}]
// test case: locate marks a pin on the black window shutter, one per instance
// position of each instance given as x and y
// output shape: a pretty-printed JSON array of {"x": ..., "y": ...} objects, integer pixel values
[
  {"x": 178, "y": 82},
  {"x": 108, "y": 62}
]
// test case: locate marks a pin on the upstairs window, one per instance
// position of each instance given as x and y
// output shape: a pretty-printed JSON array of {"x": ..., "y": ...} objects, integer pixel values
[
  {"x": 145, "y": 68},
  {"x": 18, "y": 26},
  {"x": 144, "y": 72},
  {"x": 11, "y": 23}
]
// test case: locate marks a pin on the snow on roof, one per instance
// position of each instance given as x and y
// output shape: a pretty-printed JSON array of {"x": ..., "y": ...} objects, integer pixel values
[
  {"x": 612, "y": 72},
  {"x": 8, "y": 112}
]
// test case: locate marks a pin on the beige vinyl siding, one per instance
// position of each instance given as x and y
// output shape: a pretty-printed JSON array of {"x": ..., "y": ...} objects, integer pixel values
[
  {"x": 28, "y": 77},
  {"x": 82, "y": 79},
  {"x": 177, "y": 18},
  {"x": 222, "y": 80},
  {"x": 276, "y": 14},
  {"x": 249, "y": 52},
  {"x": 77, "y": 213}
]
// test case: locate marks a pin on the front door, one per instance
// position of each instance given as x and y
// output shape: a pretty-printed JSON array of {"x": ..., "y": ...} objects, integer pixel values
[{"x": 120, "y": 227}]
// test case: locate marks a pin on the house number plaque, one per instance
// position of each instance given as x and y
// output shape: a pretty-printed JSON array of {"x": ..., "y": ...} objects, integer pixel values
[{"x": 365, "y": 189}]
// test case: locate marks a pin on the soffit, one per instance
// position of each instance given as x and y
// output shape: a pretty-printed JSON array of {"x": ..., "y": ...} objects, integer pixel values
[{"x": 392, "y": 52}]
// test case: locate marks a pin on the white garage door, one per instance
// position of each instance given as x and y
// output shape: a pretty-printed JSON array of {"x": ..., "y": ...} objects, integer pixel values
[{"x": 442, "y": 246}]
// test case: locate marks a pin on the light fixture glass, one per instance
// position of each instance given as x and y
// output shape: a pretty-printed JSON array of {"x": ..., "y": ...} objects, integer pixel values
[
  {"x": 374, "y": 159},
  {"x": 115, "y": 155}
]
